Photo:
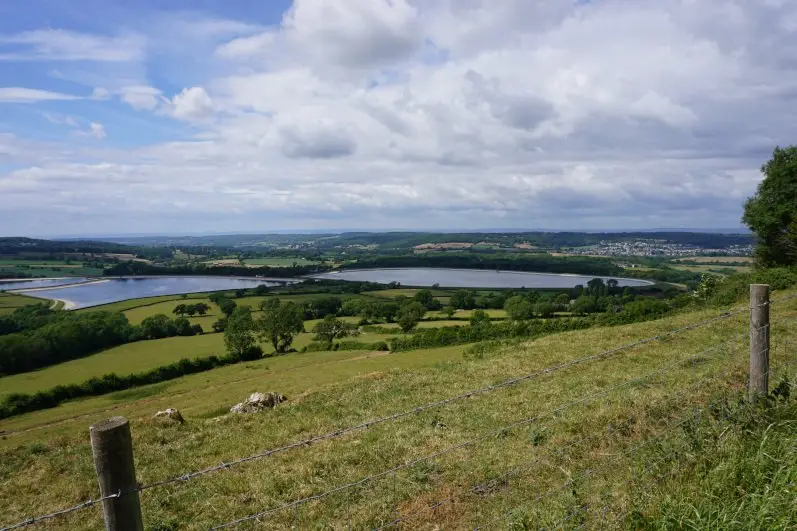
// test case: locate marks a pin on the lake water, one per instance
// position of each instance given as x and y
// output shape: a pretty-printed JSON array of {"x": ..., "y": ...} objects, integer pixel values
[
  {"x": 40, "y": 283},
  {"x": 119, "y": 289},
  {"x": 470, "y": 278}
]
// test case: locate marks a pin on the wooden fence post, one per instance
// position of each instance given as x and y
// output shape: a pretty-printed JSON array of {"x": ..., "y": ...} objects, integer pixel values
[
  {"x": 759, "y": 341},
  {"x": 112, "y": 447}
]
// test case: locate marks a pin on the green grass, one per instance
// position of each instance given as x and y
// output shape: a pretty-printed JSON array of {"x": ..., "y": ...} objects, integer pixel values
[
  {"x": 141, "y": 356},
  {"x": 466, "y": 314},
  {"x": 279, "y": 262},
  {"x": 129, "y": 304},
  {"x": 138, "y": 314},
  {"x": 429, "y": 324},
  {"x": 11, "y": 301},
  {"x": 41, "y": 269},
  {"x": 48, "y": 465}
]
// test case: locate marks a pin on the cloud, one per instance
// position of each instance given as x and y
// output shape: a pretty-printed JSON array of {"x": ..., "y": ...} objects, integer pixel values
[
  {"x": 100, "y": 94},
  {"x": 64, "y": 45},
  {"x": 192, "y": 104},
  {"x": 141, "y": 97},
  {"x": 97, "y": 130},
  {"x": 437, "y": 114},
  {"x": 354, "y": 33},
  {"x": 27, "y": 95}
]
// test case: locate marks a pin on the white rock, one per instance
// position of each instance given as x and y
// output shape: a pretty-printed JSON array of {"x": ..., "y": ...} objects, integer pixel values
[
  {"x": 258, "y": 402},
  {"x": 170, "y": 414}
]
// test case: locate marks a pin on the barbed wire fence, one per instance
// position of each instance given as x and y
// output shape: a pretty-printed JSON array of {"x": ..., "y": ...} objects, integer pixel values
[{"x": 120, "y": 491}]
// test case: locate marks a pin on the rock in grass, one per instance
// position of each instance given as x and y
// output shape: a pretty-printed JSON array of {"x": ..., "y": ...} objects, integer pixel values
[
  {"x": 170, "y": 415},
  {"x": 258, "y": 402}
]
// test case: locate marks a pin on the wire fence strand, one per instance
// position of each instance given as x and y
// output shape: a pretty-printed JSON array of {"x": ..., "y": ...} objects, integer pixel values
[
  {"x": 418, "y": 409},
  {"x": 483, "y": 437}
]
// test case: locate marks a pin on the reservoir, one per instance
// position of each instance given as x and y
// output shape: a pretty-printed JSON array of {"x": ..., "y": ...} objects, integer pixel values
[
  {"x": 39, "y": 283},
  {"x": 471, "y": 278},
  {"x": 104, "y": 291}
]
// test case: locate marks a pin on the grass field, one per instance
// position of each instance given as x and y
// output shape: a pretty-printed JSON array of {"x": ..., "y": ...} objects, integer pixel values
[
  {"x": 279, "y": 262},
  {"x": 45, "y": 461},
  {"x": 48, "y": 268},
  {"x": 720, "y": 259},
  {"x": 719, "y": 269},
  {"x": 10, "y": 302},
  {"x": 142, "y": 356}
]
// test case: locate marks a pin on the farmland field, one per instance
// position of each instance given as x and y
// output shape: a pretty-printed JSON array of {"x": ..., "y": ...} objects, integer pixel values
[
  {"x": 10, "y": 302},
  {"x": 660, "y": 382},
  {"x": 138, "y": 357},
  {"x": 279, "y": 262}
]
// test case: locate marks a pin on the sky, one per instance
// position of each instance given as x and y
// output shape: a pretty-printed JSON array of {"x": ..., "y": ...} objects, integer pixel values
[{"x": 206, "y": 116}]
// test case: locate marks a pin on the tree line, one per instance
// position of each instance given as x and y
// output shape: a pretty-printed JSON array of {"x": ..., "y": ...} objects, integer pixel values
[{"x": 34, "y": 336}]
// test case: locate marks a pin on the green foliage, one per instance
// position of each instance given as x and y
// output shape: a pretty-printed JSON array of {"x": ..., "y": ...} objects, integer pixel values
[
  {"x": 428, "y": 301},
  {"x": 772, "y": 212},
  {"x": 463, "y": 299},
  {"x": 332, "y": 328},
  {"x": 544, "y": 309},
  {"x": 227, "y": 306},
  {"x": 45, "y": 338},
  {"x": 280, "y": 323},
  {"x": 239, "y": 334},
  {"x": 458, "y": 335},
  {"x": 479, "y": 318},
  {"x": 409, "y": 315},
  {"x": 518, "y": 308},
  {"x": 19, "y": 403}
]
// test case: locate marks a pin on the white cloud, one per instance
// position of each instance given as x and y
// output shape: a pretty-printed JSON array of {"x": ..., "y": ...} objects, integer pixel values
[
  {"x": 248, "y": 47},
  {"x": 64, "y": 45},
  {"x": 97, "y": 130},
  {"x": 448, "y": 113},
  {"x": 192, "y": 104},
  {"x": 27, "y": 95},
  {"x": 100, "y": 93},
  {"x": 141, "y": 97},
  {"x": 355, "y": 33}
]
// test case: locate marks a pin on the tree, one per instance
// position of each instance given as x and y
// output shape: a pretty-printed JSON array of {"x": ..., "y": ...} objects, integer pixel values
[
  {"x": 463, "y": 299},
  {"x": 227, "y": 306},
  {"x": 544, "y": 309},
  {"x": 157, "y": 327},
  {"x": 201, "y": 308},
  {"x": 179, "y": 309},
  {"x": 584, "y": 305},
  {"x": 220, "y": 325},
  {"x": 331, "y": 328},
  {"x": 772, "y": 212},
  {"x": 280, "y": 323},
  {"x": 239, "y": 334},
  {"x": 426, "y": 298},
  {"x": 449, "y": 311},
  {"x": 518, "y": 308},
  {"x": 479, "y": 318},
  {"x": 409, "y": 315},
  {"x": 707, "y": 287}
]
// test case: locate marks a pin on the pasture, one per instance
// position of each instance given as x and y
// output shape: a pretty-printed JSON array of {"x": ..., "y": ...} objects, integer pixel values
[
  {"x": 279, "y": 261},
  {"x": 642, "y": 392},
  {"x": 11, "y": 301}
]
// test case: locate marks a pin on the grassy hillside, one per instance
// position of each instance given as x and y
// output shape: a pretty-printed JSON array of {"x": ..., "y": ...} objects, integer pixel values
[{"x": 579, "y": 455}]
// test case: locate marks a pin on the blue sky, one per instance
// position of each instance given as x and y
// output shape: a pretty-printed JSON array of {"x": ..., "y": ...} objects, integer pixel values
[{"x": 209, "y": 116}]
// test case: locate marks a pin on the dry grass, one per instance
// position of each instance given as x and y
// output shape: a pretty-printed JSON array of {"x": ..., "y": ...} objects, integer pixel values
[{"x": 51, "y": 467}]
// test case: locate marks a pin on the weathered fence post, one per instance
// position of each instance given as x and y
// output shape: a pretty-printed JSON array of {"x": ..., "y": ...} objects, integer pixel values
[
  {"x": 112, "y": 447},
  {"x": 759, "y": 341}
]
